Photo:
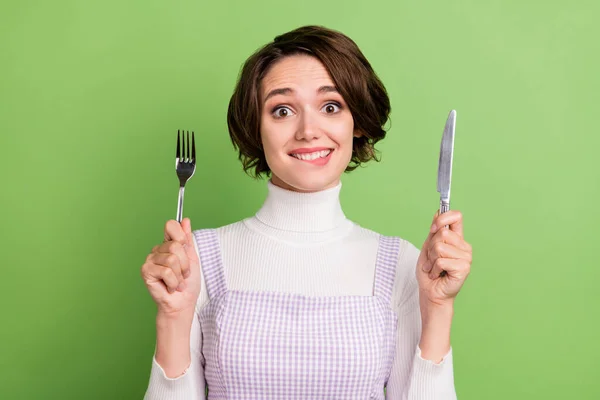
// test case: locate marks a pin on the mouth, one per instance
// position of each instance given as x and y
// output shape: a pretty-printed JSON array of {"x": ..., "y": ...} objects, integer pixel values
[
  {"x": 312, "y": 156},
  {"x": 319, "y": 158}
]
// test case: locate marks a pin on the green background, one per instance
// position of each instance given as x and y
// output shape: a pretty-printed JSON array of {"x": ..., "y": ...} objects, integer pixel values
[{"x": 92, "y": 94}]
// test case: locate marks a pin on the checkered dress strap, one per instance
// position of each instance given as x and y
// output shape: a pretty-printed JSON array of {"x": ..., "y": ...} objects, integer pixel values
[
  {"x": 385, "y": 267},
  {"x": 211, "y": 262}
]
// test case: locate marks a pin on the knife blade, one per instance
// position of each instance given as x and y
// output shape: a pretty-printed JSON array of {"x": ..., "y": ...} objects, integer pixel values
[{"x": 444, "y": 178}]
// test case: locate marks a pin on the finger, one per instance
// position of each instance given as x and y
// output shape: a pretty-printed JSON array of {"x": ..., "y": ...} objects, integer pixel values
[
  {"x": 171, "y": 261},
  {"x": 452, "y": 238},
  {"x": 452, "y": 218},
  {"x": 453, "y": 267},
  {"x": 164, "y": 274},
  {"x": 438, "y": 266},
  {"x": 174, "y": 232},
  {"x": 445, "y": 250},
  {"x": 177, "y": 249}
]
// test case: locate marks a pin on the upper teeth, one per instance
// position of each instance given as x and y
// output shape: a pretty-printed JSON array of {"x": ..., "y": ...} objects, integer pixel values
[{"x": 312, "y": 156}]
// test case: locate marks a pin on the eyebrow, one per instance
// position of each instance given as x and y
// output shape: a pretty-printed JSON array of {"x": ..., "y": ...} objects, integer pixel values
[{"x": 284, "y": 91}]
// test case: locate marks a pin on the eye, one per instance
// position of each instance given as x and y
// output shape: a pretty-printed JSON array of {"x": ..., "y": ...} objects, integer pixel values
[
  {"x": 331, "y": 108},
  {"x": 276, "y": 112}
]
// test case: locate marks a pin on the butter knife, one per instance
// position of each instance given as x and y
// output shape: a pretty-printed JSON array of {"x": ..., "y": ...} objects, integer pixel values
[
  {"x": 445, "y": 166},
  {"x": 445, "y": 163}
]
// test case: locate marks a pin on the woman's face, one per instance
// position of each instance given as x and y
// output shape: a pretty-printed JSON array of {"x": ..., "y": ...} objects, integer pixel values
[{"x": 306, "y": 127}]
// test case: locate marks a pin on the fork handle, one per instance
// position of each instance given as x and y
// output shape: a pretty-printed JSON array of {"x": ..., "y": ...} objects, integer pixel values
[{"x": 180, "y": 204}]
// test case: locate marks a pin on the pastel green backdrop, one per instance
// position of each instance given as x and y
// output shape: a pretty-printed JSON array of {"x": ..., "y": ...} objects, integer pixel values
[{"x": 92, "y": 94}]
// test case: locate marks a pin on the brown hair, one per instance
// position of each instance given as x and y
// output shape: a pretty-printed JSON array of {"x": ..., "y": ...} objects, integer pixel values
[{"x": 351, "y": 73}]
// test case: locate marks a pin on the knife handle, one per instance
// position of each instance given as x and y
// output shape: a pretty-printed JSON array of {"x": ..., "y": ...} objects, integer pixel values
[{"x": 444, "y": 207}]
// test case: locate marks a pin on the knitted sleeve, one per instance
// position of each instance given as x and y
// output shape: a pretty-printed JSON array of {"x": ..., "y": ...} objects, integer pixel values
[
  {"x": 412, "y": 377},
  {"x": 191, "y": 384}
]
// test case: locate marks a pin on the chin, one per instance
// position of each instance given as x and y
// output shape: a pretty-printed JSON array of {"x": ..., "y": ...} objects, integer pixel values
[{"x": 306, "y": 182}]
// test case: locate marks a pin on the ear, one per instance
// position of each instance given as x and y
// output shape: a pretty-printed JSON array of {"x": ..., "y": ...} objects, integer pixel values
[{"x": 358, "y": 133}]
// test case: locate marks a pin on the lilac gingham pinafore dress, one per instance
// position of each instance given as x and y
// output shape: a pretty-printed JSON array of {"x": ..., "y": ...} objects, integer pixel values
[{"x": 274, "y": 345}]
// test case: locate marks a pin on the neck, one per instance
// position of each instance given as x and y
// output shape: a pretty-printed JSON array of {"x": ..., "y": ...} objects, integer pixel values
[{"x": 300, "y": 217}]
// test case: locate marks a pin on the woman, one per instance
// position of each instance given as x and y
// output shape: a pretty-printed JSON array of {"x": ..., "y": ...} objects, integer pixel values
[{"x": 297, "y": 301}]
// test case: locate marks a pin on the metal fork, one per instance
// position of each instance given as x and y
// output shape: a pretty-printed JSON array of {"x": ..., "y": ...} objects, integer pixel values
[{"x": 185, "y": 166}]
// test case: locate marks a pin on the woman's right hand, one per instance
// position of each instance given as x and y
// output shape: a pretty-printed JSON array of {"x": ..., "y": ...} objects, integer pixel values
[{"x": 172, "y": 270}]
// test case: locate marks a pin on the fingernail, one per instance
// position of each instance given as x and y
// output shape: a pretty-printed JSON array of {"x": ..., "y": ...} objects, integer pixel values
[
  {"x": 181, "y": 287},
  {"x": 433, "y": 227},
  {"x": 187, "y": 273}
]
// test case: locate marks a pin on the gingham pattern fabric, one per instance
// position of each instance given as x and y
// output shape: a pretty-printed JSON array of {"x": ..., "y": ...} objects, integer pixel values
[{"x": 274, "y": 345}]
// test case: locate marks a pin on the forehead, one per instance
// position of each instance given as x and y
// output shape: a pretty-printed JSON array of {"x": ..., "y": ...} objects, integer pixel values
[{"x": 296, "y": 70}]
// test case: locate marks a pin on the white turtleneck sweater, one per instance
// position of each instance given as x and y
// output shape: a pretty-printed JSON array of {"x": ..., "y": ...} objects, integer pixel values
[{"x": 303, "y": 243}]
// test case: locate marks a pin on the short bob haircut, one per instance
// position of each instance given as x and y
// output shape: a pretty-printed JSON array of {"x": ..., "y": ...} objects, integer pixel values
[{"x": 351, "y": 73}]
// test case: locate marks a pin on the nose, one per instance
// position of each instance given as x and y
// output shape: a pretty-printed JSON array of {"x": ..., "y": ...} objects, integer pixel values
[{"x": 308, "y": 128}]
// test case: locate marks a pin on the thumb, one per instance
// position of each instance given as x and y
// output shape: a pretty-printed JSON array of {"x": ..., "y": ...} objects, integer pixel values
[
  {"x": 186, "y": 225},
  {"x": 422, "y": 261},
  {"x": 430, "y": 234},
  {"x": 437, "y": 214}
]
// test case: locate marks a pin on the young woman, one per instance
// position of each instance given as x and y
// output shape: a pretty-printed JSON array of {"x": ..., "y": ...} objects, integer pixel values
[{"x": 297, "y": 301}]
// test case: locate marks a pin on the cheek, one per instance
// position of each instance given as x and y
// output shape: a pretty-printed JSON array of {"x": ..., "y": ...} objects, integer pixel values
[
  {"x": 348, "y": 147},
  {"x": 273, "y": 140},
  {"x": 344, "y": 136},
  {"x": 269, "y": 149}
]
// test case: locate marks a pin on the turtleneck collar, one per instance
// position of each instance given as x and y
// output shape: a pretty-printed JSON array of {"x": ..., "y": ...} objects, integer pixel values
[{"x": 304, "y": 217}]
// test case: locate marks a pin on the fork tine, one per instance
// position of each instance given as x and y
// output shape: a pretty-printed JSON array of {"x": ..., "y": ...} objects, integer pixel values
[
  {"x": 178, "y": 153},
  {"x": 193, "y": 148},
  {"x": 187, "y": 157},
  {"x": 183, "y": 145}
]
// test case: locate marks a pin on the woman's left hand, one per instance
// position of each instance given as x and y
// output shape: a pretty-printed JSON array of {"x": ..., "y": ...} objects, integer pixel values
[{"x": 444, "y": 250}]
